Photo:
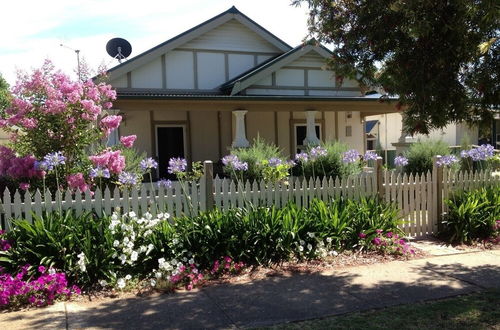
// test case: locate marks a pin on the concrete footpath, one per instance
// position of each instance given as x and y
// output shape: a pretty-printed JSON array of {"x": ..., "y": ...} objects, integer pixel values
[{"x": 279, "y": 299}]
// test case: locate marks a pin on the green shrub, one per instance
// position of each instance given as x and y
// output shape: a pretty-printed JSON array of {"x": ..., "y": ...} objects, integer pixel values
[
  {"x": 263, "y": 235},
  {"x": 329, "y": 165},
  {"x": 420, "y": 155},
  {"x": 56, "y": 240},
  {"x": 258, "y": 152},
  {"x": 472, "y": 215}
]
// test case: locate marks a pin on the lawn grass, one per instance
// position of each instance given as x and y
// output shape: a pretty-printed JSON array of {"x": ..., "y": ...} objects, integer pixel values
[{"x": 474, "y": 311}]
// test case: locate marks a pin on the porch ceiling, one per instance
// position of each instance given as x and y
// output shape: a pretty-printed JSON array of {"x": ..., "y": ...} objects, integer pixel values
[{"x": 365, "y": 106}]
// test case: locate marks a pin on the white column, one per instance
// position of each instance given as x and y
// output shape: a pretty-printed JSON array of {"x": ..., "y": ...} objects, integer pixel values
[
  {"x": 311, "y": 137},
  {"x": 240, "y": 136}
]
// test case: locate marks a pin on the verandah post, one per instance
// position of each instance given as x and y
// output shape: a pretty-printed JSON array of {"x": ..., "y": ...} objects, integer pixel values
[
  {"x": 378, "y": 177},
  {"x": 208, "y": 177},
  {"x": 437, "y": 177}
]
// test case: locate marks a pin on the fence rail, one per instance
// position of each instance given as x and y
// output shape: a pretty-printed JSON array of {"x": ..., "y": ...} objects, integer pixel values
[{"x": 419, "y": 197}]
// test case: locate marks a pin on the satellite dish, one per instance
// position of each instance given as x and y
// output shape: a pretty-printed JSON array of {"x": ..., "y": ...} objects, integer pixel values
[{"x": 119, "y": 48}]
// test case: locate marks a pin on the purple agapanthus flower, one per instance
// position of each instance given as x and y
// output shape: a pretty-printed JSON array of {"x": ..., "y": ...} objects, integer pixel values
[
  {"x": 370, "y": 155},
  {"x": 128, "y": 178},
  {"x": 177, "y": 165},
  {"x": 54, "y": 159},
  {"x": 464, "y": 154},
  {"x": 447, "y": 160},
  {"x": 302, "y": 157},
  {"x": 482, "y": 152},
  {"x": 148, "y": 163},
  {"x": 99, "y": 172},
  {"x": 273, "y": 162},
  {"x": 164, "y": 183},
  {"x": 41, "y": 165},
  {"x": 400, "y": 161},
  {"x": 350, "y": 156},
  {"x": 317, "y": 152},
  {"x": 229, "y": 159},
  {"x": 240, "y": 166}
]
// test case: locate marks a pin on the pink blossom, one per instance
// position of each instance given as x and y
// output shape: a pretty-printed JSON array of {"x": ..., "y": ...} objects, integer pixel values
[
  {"x": 109, "y": 123},
  {"x": 77, "y": 181},
  {"x": 112, "y": 160},
  {"x": 128, "y": 141},
  {"x": 24, "y": 186},
  {"x": 362, "y": 235}
]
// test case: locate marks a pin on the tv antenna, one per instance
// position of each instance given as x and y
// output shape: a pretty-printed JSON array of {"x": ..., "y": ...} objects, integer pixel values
[
  {"x": 77, "y": 52},
  {"x": 119, "y": 48}
]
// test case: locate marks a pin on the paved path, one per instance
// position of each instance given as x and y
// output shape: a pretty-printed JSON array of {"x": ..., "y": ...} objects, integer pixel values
[{"x": 278, "y": 299}]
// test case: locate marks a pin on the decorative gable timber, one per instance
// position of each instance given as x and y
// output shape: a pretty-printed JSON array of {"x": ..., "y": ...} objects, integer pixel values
[
  {"x": 305, "y": 55},
  {"x": 192, "y": 34}
]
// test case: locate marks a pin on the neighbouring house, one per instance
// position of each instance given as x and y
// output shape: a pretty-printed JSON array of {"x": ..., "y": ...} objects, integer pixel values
[
  {"x": 228, "y": 80},
  {"x": 384, "y": 133}
]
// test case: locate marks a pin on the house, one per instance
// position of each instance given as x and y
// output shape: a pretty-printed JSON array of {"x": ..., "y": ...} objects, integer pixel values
[
  {"x": 385, "y": 133},
  {"x": 228, "y": 80}
]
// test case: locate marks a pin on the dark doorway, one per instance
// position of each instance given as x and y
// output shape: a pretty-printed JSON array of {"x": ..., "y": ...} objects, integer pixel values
[
  {"x": 300, "y": 135},
  {"x": 170, "y": 143}
]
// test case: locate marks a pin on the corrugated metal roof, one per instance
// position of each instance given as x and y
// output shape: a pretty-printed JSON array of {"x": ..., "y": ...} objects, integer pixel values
[{"x": 369, "y": 125}]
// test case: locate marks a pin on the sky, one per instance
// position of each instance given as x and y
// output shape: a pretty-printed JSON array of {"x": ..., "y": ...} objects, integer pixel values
[{"x": 33, "y": 30}]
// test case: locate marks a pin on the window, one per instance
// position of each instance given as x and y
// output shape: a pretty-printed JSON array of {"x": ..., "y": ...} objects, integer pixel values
[
  {"x": 300, "y": 135},
  {"x": 348, "y": 130}
]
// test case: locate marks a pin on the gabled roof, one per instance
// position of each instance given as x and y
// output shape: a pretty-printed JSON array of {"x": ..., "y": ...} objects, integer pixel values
[
  {"x": 369, "y": 125},
  {"x": 231, "y": 13},
  {"x": 248, "y": 78}
]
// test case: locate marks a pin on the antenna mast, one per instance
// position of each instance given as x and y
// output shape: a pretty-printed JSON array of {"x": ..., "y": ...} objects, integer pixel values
[{"x": 77, "y": 51}]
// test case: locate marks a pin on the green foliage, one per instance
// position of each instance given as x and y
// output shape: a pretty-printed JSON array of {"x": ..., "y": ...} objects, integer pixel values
[
  {"x": 472, "y": 215},
  {"x": 420, "y": 155},
  {"x": 4, "y": 94},
  {"x": 262, "y": 235},
  {"x": 56, "y": 241},
  {"x": 439, "y": 57},
  {"x": 329, "y": 165},
  {"x": 258, "y": 152}
]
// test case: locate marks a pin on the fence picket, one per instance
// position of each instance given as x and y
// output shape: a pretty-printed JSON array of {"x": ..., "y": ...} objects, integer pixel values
[
  {"x": 97, "y": 201},
  {"x": 27, "y": 206},
  {"x": 37, "y": 208}
]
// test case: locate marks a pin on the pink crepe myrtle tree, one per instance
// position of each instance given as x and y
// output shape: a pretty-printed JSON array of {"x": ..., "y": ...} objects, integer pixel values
[{"x": 50, "y": 113}]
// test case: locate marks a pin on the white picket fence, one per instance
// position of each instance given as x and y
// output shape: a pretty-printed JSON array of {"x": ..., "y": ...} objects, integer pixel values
[{"x": 419, "y": 197}]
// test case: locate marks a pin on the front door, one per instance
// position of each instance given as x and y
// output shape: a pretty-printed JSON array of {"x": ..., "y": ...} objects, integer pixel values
[{"x": 169, "y": 143}]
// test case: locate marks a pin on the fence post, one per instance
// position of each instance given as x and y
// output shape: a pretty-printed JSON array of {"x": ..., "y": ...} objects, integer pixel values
[
  {"x": 379, "y": 178},
  {"x": 437, "y": 176},
  {"x": 208, "y": 177}
]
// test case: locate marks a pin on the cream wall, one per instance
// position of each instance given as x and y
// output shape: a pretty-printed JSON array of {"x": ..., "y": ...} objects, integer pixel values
[
  {"x": 138, "y": 123},
  {"x": 391, "y": 124},
  {"x": 204, "y": 135}
]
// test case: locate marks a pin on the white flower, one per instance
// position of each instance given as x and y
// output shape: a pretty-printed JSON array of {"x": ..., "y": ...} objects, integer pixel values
[
  {"x": 120, "y": 283},
  {"x": 302, "y": 242},
  {"x": 334, "y": 253},
  {"x": 126, "y": 240},
  {"x": 175, "y": 241},
  {"x": 123, "y": 258},
  {"x": 114, "y": 255},
  {"x": 143, "y": 249},
  {"x": 309, "y": 247},
  {"x": 158, "y": 275},
  {"x": 153, "y": 282},
  {"x": 328, "y": 239},
  {"x": 148, "y": 232},
  {"x": 116, "y": 243},
  {"x": 132, "y": 214},
  {"x": 103, "y": 283},
  {"x": 52, "y": 271},
  {"x": 161, "y": 261},
  {"x": 191, "y": 261},
  {"x": 128, "y": 277},
  {"x": 130, "y": 245},
  {"x": 134, "y": 256},
  {"x": 81, "y": 262},
  {"x": 310, "y": 235},
  {"x": 150, "y": 248},
  {"x": 301, "y": 248}
]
